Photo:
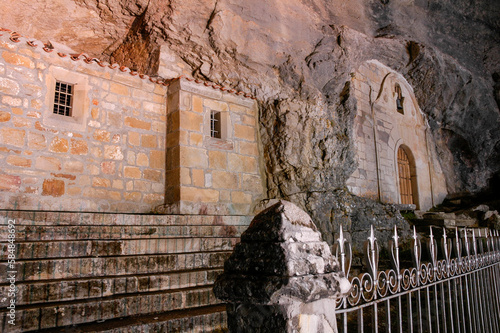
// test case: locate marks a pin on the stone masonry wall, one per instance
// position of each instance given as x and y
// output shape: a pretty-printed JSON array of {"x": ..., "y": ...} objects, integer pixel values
[
  {"x": 374, "y": 85},
  {"x": 109, "y": 157},
  {"x": 207, "y": 175}
]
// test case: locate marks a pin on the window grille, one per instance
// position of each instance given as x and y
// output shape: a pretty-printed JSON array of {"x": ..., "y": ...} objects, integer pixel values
[
  {"x": 63, "y": 99},
  {"x": 215, "y": 125}
]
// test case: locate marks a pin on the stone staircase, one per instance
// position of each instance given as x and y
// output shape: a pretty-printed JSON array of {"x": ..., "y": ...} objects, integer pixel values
[{"x": 94, "y": 272}]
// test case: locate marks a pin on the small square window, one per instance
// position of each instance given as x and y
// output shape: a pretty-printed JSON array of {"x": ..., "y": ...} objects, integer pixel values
[
  {"x": 215, "y": 124},
  {"x": 63, "y": 99}
]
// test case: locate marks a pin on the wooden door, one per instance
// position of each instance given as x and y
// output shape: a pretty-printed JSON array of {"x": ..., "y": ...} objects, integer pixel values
[{"x": 404, "y": 177}]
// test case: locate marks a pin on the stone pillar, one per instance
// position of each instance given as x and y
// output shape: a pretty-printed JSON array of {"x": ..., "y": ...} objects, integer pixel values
[{"x": 282, "y": 277}]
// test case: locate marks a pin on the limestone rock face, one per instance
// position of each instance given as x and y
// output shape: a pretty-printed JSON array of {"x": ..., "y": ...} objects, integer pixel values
[{"x": 297, "y": 56}]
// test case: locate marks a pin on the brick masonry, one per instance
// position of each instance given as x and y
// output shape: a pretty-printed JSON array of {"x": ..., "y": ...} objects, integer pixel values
[
  {"x": 113, "y": 161},
  {"x": 388, "y": 129}
]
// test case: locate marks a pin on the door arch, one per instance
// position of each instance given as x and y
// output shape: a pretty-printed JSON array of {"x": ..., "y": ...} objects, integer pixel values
[{"x": 407, "y": 176}]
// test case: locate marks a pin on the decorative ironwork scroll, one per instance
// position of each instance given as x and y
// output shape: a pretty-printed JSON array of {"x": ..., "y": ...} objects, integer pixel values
[{"x": 456, "y": 289}]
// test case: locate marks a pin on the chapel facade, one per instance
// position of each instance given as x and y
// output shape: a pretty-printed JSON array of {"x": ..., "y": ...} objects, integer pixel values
[{"x": 397, "y": 160}]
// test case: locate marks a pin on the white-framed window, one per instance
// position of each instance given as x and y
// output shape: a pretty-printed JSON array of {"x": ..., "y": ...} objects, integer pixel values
[
  {"x": 67, "y": 99},
  {"x": 215, "y": 124},
  {"x": 217, "y": 129}
]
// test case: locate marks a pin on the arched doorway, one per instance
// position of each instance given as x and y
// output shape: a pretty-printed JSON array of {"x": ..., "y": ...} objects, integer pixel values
[{"x": 407, "y": 177}]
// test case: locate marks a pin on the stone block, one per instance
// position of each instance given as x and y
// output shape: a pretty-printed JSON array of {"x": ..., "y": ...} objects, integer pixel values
[
  {"x": 241, "y": 197},
  {"x": 119, "y": 89},
  {"x": 102, "y": 135},
  {"x": 280, "y": 271},
  {"x": 132, "y": 172},
  {"x": 244, "y": 132},
  {"x": 4, "y": 116},
  {"x": 8, "y": 86},
  {"x": 157, "y": 159},
  {"x": 134, "y": 138},
  {"x": 217, "y": 160},
  {"x": 251, "y": 183},
  {"x": 248, "y": 120},
  {"x": 185, "y": 176},
  {"x": 142, "y": 159},
  {"x": 224, "y": 180},
  {"x": 132, "y": 196},
  {"x": 149, "y": 141},
  {"x": 159, "y": 126},
  {"x": 173, "y": 121},
  {"x": 10, "y": 183},
  {"x": 248, "y": 148},
  {"x": 197, "y": 104},
  {"x": 18, "y": 161},
  {"x": 215, "y": 105},
  {"x": 240, "y": 163},
  {"x": 199, "y": 194},
  {"x": 48, "y": 163},
  {"x": 137, "y": 123},
  {"x": 12, "y": 101},
  {"x": 101, "y": 182},
  {"x": 113, "y": 153},
  {"x": 59, "y": 145},
  {"x": 21, "y": 122},
  {"x": 142, "y": 186},
  {"x": 53, "y": 187},
  {"x": 79, "y": 147},
  {"x": 196, "y": 139},
  {"x": 153, "y": 175},
  {"x": 18, "y": 60},
  {"x": 193, "y": 157},
  {"x": 154, "y": 199},
  {"x": 157, "y": 108},
  {"x": 191, "y": 121},
  {"x": 13, "y": 137},
  {"x": 198, "y": 176}
]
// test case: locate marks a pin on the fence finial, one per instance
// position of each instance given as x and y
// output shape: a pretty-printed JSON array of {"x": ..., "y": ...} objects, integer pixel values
[
  {"x": 372, "y": 253},
  {"x": 417, "y": 250},
  {"x": 344, "y": 250}
]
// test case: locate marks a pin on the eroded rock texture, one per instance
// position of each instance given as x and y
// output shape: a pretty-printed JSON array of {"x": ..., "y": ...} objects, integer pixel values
[
  {"x": 280, "y": 274},
  {"x": 297, "y": 56}
]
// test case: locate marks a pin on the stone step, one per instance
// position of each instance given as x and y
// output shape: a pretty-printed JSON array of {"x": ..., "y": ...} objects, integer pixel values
[
  {"x": 209, "y": 319},
  {"x": 445, "y": 222},
  {"x": 51, "y": 315},
  {"x": 77, "y": 268},
  {"x": 38, "y": 292},
  {"x": 106, "y": 219},
  {"x": 104, "y": 248},
  {"x": 91, "y": 232}
]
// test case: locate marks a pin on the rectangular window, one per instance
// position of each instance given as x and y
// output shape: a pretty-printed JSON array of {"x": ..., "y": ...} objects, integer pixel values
[
  {"x": 63, "y": 99},
  {"x": 215, "y": 124}
]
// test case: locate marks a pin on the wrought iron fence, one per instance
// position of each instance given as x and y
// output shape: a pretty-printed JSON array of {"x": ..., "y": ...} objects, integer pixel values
[{"x": 458, "y": 290}]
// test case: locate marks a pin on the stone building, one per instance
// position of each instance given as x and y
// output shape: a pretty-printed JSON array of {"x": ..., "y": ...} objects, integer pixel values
[
  {"x": 80, "y": 135},
  {"x": 397, "y": 161},
  {"x": 85, "y": 145}
]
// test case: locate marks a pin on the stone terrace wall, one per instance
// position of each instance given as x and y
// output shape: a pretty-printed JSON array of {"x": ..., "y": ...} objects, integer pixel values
[{"x": 109, "y": 157}]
